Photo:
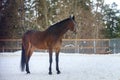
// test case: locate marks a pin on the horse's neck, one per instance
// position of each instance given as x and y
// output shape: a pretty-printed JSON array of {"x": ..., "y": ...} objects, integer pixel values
[
  {"x": 61, "y": 31},
  {"x": 58, "y": 30}
]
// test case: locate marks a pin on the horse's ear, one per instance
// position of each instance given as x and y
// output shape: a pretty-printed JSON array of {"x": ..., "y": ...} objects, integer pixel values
[{"x": 72, "y": 17}]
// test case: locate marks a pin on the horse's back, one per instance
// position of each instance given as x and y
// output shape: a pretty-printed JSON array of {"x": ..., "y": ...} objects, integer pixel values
[{"x": 29, "y": 32}]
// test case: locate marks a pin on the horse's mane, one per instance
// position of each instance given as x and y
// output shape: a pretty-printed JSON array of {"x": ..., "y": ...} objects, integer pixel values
[{"x": 57, "y": 26}]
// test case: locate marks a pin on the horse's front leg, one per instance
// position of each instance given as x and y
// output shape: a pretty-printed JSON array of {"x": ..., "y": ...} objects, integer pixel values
[
  {"x": 57, "y": 63},
  {"x": 50, "y": 61}
]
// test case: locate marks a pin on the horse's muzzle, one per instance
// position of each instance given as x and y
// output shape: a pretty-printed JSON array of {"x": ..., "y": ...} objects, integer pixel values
[{"x": 75, "y": 29}]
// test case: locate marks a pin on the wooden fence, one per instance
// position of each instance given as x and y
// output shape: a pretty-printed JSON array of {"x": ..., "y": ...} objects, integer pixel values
[
  {"x": 68, "y": 45},
  {"x": 10, "y": 45}
]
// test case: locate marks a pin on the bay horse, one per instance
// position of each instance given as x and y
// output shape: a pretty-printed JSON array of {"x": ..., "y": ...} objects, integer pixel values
[{"x": 50, "y": 39}]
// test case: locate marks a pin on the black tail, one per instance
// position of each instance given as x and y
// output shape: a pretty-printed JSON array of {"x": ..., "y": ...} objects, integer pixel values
[{"x": 23, "y": 59}]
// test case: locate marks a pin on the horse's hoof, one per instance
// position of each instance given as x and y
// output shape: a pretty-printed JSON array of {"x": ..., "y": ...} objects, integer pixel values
[
  {"x": 50, "y": 73},
  {"x": 58, "y": 72},
  {"x": 28, "y": 72}
]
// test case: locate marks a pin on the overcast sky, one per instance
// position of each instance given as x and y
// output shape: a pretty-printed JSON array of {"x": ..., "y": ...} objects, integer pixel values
[{"x": 111, "y": 1}]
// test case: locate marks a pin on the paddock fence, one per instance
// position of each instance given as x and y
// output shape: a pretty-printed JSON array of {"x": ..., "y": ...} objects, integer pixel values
[{"x": 84, "y": 46}]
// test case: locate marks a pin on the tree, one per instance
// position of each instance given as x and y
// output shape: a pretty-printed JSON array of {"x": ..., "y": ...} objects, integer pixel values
[
  {"x": 92, "y": 17},
  {"x": 117, "y": 28},
  {"x": 111, "y": 20},
  {"x": 98, "y": 22},
  {"x": 85, "y": 19},
  {"x": 9, "y": 19}
]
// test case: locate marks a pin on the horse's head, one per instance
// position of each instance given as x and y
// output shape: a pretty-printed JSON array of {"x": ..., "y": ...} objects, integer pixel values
[{"x": 73, "y": 24}]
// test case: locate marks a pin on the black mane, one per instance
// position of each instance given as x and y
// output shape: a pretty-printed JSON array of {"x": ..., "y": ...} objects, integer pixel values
[{"x": 57, "y": 26}]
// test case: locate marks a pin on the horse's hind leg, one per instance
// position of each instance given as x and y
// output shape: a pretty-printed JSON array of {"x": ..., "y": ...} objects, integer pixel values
[
  {"x": 27, "y": 61},
  {"x": 27, "y": 65}
]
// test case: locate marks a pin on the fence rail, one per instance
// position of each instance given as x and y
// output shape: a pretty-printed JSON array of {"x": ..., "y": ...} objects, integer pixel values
[{"x": 68, "y": 46}]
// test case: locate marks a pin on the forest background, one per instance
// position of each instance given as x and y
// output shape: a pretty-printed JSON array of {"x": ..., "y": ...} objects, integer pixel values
[{"x": 95, "y": 18}]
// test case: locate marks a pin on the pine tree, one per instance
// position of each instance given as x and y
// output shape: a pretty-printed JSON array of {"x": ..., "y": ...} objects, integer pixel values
[
  {"x": 111, "y": 21},
  {"x": 9, "y": 19}
]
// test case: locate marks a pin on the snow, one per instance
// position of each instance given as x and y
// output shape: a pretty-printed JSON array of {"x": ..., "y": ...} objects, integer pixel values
[{"x": 72, "y": 66}]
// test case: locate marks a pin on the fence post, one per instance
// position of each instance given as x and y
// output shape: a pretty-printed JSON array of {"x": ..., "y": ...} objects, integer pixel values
[
  {"x": 76, "y": 47},
  {"x": 114, "y": 46},
  {"x": 94, "y": 44},
  {"x": 3, "y": 49}
]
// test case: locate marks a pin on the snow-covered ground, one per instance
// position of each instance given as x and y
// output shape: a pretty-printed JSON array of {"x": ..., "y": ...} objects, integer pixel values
[{"x": 72, "y": 66}]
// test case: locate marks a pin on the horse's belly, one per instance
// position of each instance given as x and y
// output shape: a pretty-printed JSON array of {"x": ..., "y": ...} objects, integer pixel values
[{"x": 41, "y": 46}]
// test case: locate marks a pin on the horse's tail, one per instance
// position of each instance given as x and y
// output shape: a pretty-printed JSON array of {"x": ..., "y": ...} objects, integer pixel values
[{"x": 23, "y": 59}]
